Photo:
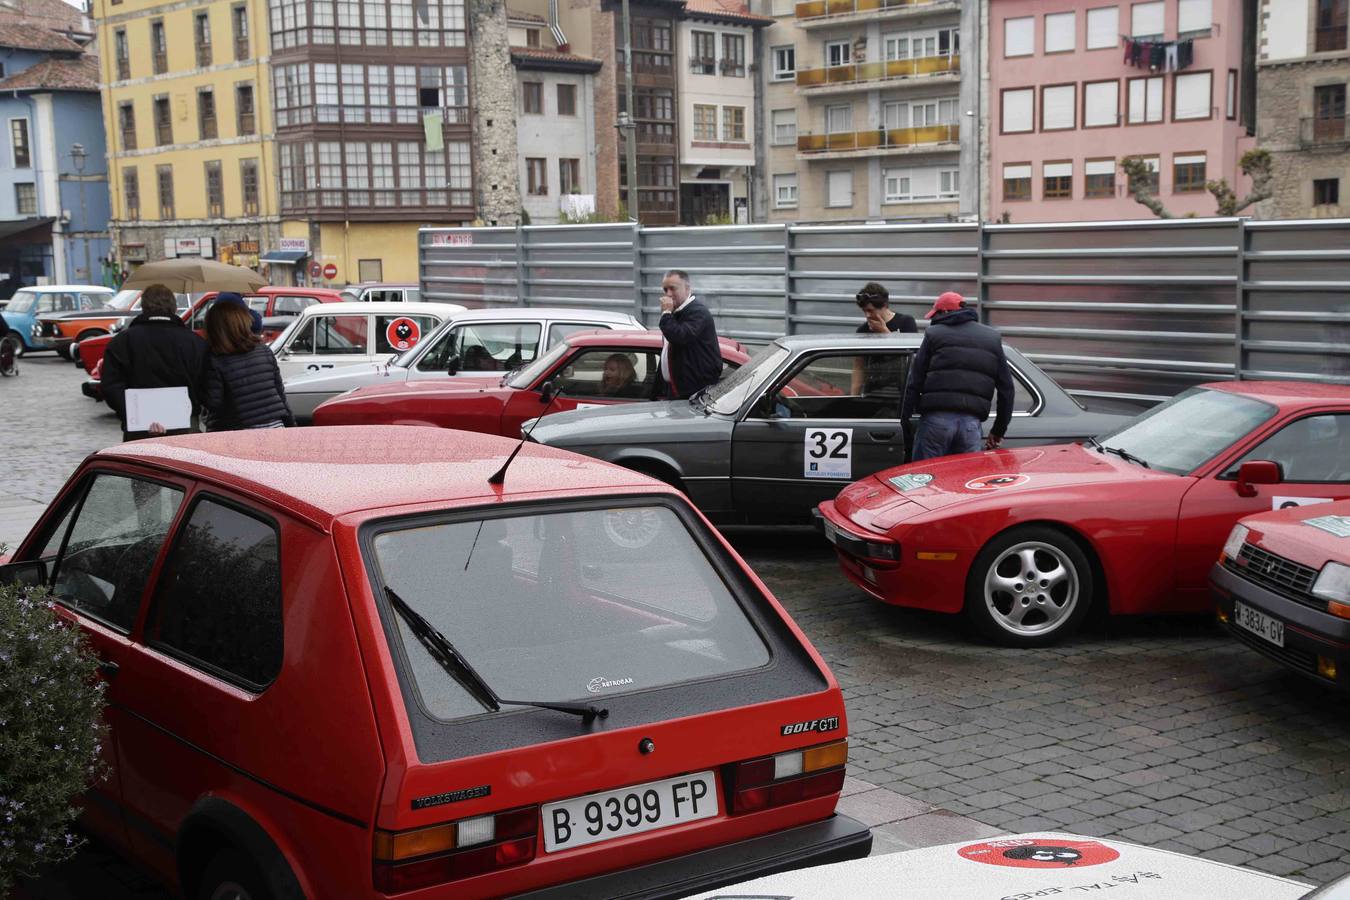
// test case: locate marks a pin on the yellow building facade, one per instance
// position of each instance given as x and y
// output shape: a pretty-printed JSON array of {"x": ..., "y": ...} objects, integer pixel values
[{"x": 187, "y": 111}]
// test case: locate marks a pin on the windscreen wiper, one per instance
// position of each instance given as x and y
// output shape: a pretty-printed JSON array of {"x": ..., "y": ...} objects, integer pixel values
[
  {"x": 1125, "y": 455},
  {"x": 455, "y": 665}
]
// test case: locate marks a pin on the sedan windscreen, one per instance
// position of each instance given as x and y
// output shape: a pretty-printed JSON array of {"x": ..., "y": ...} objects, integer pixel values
[
  {"x": 1191, "y": 428},
  {"x": 727, "y": 395},
  {"x": 564, "y": 606}
]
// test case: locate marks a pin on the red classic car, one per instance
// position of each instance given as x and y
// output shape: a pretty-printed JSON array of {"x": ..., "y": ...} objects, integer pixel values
[
  {"x": 590, "y": 368},
  {"x": 277, "y": 305},
  {"x": 1282, "y": 586},
  {"x": 1024, "y": 541},
  {"x": 356, "y": 663}
]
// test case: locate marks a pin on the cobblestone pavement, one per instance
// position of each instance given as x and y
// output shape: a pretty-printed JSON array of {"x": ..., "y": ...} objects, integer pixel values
[{"x": 1159, "y": 731}]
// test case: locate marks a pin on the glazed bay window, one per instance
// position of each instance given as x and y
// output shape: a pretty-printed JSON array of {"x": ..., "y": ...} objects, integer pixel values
[
  {"x": 201, "y": 30},
  {"x": 532, "y": 94},
  {"x": 164, "y": 181},
  {"x": 410, "y": 173},
  {"x": 1099, "y": 178},
  {"x": 25, "y": 198},
  {"x": 206, "y": 114},
  {"x": 131, "y": 193},
  {"x": 784, "y": 63},
  {"x": 733, "y": 55},
  {"x": 1188, "y": 173},
  {"x": 353, "y": 92},
  {"x": 705, "y": 122},
  {"x": 1057, "y": 180},
  {"x": 1103, "y": 28},
  {"x": 1016, "y": 115},
  {"x": 569, "y": 176},
  {"x": 1192, "y": 96},
  {"x": 215, "y": 191},
  {"x": 239, "y": 25},
  {"x": 290, "y": 23},
  {"x": 702, "y": 52},
  {"x": 382, "y": 180},
  {"x": 248, "y": 185},
  {"x": 326, "y": 104},
  {"x": 163, "y": 123},
  {"x": 536, "y": 176},
  {"x": 784, "y": 126},
  {"x": 126, "y": 124},
  {"x": 21, "y": 152},
  {"x": 330, "y": 174},
  {"x": 294, "y": 97},
  {"x": 356, "y": 160},
  {"x": 245, "y": 121},
  {"x": 1145, "y": 100},
  {"x": 1017, "y": 181},
  {"x": 785, "y": 191},
  {"x": 733, "y": 124}
]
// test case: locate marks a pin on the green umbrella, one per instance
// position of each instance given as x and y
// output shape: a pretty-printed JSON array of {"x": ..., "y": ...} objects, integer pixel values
[{"x": 192, "y": 276}]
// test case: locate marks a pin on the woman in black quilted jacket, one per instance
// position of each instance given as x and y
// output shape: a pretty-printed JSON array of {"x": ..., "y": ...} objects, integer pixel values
[{"x": 243, "y": 382}]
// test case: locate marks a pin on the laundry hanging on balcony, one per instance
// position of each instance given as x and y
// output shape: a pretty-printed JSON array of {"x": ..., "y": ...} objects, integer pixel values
[{"x": 1159, "y": 56}]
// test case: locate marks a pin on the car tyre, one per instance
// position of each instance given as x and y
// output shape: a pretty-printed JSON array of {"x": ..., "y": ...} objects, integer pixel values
[
  {"x": 232, "y": 876},
  {"x": 19, "y": 347},
  {"x": 64, "y": 352},
  {"x": 1029, "y": 587}
]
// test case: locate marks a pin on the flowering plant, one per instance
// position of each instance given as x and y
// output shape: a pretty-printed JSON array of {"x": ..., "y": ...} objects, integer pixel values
[{"x": 51, "y": 731}]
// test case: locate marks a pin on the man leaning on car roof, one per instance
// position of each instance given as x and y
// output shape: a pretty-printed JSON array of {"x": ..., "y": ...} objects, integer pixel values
[{"x": 959, "y": 367}]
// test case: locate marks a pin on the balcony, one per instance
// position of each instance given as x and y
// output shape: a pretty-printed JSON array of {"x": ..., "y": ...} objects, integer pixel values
[
  {"x": 877, "y": 141},
  {"x": 811, "y": 13},
  {"x": 866, "y": 74},
  {"x": 1332, "y": 132}
]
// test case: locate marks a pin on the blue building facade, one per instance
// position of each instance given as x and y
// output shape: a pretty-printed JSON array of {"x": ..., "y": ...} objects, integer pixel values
[{"x": 54, "y": 203}]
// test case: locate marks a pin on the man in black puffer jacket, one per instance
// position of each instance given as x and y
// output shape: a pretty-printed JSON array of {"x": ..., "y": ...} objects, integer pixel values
[{"x": 958, "y": 369}]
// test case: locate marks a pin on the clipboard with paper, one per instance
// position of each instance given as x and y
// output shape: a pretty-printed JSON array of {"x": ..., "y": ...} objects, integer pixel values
[{"x": 170, "y": 407}]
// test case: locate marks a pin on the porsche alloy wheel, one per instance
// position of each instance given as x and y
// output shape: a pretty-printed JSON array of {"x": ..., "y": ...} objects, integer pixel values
[{"x": 1029, "y": 587}]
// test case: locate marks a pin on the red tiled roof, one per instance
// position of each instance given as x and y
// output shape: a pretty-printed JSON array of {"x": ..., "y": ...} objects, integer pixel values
[
  {"x": 737, "y": 10},
  {"x": 40, "y": 25},
  {"x": 521, "y": 16},
  {"x": 56, "y": 75},
  {"x": 542, "y": 55}
]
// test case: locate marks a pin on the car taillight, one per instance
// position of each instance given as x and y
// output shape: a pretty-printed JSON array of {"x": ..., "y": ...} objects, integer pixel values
[
  {"x": 786, "y": 778},
  {"x": 407, "y": 860}
]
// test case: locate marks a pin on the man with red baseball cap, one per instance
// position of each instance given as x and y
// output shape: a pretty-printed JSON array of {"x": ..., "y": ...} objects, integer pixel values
[{"x": 953, "y": 379}]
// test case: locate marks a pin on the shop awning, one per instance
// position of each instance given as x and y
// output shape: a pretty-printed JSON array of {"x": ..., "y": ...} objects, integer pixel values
[{"x": 283, "y": 257}]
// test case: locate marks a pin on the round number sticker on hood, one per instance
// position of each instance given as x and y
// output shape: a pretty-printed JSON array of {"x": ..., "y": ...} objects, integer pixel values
[
  {"x": 995, "y": 482},
  {"x": 1040, "y": 853},
  {"x": 403, "y": 333}
]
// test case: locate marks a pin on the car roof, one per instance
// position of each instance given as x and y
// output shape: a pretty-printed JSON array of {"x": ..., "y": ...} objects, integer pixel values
[
  {"x": 846, "y": 339},
  {"x": 359, "y": 307},
  {"x": 611, "y": 338},
  {"x": 285, "y": 289},
  {"x": 321, "y": 473},
  {"x": 1286, "y": 393},
  {"x": 545, "y": 312},
  {"x": 54, "y": 288}
]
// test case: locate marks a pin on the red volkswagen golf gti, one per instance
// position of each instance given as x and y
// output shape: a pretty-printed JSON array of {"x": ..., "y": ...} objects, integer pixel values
[{"x": 353, "y": 663}]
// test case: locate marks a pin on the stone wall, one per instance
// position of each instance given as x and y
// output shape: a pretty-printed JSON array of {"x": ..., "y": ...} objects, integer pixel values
[
  {"x": 152, "y": 234},
  {"x": 1284, "y": 103},
  {"x": 492, "y": 88}
]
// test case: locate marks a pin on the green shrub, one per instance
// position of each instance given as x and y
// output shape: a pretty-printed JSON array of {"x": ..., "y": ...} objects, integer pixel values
[{"x": 51, "y": 705}]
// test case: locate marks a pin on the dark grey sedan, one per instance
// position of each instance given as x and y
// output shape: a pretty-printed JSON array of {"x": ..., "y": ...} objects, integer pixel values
[{"x": 806, "y": 416}]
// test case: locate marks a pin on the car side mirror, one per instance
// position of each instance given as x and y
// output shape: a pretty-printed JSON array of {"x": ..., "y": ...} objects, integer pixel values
[
  {"x": 547, "y": 391},
  {"x": 30, "y": 573},
  {"x": 452, "y": 364},
  {"x": 1257, "y": 471}
]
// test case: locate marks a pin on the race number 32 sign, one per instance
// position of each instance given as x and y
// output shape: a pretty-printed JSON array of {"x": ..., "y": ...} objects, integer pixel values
[{"x": 828, "y": 453}]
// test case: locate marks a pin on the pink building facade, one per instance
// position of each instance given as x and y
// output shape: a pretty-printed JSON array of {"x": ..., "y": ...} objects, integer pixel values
[{"x": 1067, "y": 101}]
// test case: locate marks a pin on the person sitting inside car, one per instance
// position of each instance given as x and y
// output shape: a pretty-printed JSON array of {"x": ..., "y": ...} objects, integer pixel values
[{"x": 618, "y": 376}]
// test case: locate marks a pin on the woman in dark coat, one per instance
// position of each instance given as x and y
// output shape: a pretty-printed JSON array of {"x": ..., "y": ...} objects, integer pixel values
[{"x": 243, "y": 382}]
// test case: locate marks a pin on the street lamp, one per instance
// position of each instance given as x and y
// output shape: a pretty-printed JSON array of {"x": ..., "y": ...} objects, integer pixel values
[{"x": 78, "y": 156}]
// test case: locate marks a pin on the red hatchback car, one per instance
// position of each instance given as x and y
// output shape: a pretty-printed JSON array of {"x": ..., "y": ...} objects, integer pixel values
[
  {"x": 590, "y": 368},
  {"x": 1025, "y": 541},
  {"x": 354, "y": 663}
]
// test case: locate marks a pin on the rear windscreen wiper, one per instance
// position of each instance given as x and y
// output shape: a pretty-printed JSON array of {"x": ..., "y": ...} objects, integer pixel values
[
  {"x": 455, "y": 665},
  {"x": 1125, "y": 455}
]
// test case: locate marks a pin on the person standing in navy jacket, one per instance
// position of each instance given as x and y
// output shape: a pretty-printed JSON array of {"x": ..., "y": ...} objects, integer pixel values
[{"x": 690, "y": 357}]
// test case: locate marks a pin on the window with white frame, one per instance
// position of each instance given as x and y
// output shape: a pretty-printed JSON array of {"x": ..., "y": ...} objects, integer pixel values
[
  {"x": 1059, "y": 106},
  {"x": 785, "y": 191},
  {"x": 1060, "y": 32},
  {"x": 838, "y": 53},
  {"x": 839, "y": 188},
  {"x": 1101, "y": 104},
  {"x": 784, "y": 63},
  {"x": 949, "y": 184},
  {"x": 922, "y": 43},
  {"x": 1146, "y": 19},
  {"x": 1193, "y": 96},
  {"x": 1146, "y": 100},
  {"x": 1018, "y": 106},
  {"x": 1019, "y": 36},
  {"x": 1194, "y": 17},
  {"x": 895, "y": 114},
  {"x": 1103, "y": 28},
  {"x": 918, "y": 183},
  {"x": 838, "y": 119},
  {"x": 784, "y": 126},
  {"x": 784, "y": 7}
]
